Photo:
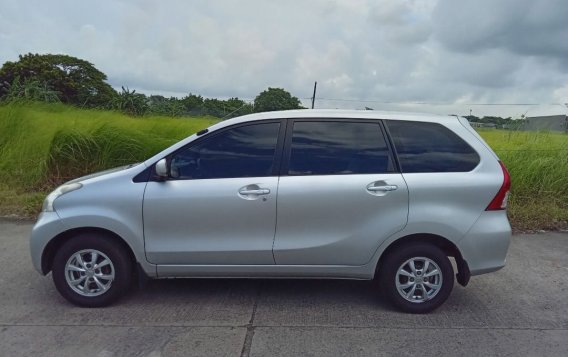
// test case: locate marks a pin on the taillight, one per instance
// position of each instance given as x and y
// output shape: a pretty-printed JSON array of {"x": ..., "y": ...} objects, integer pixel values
[{"x": 499, "y": 202}]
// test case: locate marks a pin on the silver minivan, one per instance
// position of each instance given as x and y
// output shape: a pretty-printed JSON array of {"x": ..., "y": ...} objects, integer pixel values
[{"x": 294, "y": 194}]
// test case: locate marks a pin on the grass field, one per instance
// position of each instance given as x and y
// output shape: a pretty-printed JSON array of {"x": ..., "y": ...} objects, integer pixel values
[
  {"x": 538, "y": 164},
  {"x": 42, "y": 145}
]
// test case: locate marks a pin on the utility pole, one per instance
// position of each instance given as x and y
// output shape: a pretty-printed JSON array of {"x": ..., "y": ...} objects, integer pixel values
[{"x": 314, "y": 96}]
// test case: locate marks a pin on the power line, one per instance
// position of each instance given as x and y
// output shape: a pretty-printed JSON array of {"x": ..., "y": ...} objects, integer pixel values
[{"x": 430, "y": 103}]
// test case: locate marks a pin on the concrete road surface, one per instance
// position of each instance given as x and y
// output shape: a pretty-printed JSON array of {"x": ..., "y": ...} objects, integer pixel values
[{"x": 520, "y": 310}]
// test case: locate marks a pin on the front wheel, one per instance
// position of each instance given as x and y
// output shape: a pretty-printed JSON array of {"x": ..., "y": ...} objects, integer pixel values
[
  {"x": 417, "y": 278},
  {"x": 92, "y": 270}
]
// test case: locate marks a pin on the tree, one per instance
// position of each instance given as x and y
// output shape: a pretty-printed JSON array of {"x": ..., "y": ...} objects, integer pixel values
[
  {"x": 75, "y": 80},
  {"x": 161, "y": 105},
  {"x": 30, "y": 89},
  {"x": 193, "y": 103},
  {"x": 131, "y": 103},
  {"x": 237, "y": 107},
  {"x": 232, "y": 107},
  {"x": 275, "y": 99}
]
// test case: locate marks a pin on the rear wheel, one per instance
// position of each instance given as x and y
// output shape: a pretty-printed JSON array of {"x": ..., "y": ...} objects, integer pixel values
[
  {"x": 417, "y": 278},
  {"x": 92, "y": 270}
]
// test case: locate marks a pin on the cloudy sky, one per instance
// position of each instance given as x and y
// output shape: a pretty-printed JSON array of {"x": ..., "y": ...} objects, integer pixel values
[{"x": 451, "y": 55}]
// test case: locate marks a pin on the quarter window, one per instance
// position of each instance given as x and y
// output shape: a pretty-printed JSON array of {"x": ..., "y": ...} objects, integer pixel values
[
  {"x": 338, "y": 147},
  {"x": 430, "y": 147},
  {"x": 245, "y": 151}
]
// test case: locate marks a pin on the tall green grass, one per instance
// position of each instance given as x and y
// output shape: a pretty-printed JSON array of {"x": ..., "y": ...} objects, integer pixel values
[
  {"x": 42, "y": 145},
  {"x": 538, "y": 164}
]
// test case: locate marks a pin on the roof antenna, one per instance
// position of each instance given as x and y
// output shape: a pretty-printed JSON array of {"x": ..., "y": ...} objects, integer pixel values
[{"x": 314, "y": 96}]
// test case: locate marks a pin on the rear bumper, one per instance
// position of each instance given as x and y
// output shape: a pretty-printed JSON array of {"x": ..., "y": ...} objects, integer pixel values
[{"x": 485, "y": 245}]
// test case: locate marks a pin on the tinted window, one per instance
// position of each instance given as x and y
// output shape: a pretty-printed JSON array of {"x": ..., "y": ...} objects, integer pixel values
[
  {"x": 328, "y": 148},
  {"x": 246, "y": 151},
  {"x": 430, "y": 147}
]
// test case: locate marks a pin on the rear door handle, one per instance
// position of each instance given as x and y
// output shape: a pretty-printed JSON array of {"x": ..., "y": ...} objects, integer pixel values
[
  {"x": 258, "y": 192},
  {"x": 384, "y": 188}
]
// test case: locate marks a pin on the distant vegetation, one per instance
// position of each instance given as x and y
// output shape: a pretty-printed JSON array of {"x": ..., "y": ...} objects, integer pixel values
[
  {"x": 70, "y": 80},
  {"x": 497, "y": 122},
  {"x": 44, "y": 144}
]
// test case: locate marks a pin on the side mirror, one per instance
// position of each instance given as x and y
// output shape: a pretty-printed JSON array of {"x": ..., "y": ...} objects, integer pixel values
[{"x": 162, "y": 169}]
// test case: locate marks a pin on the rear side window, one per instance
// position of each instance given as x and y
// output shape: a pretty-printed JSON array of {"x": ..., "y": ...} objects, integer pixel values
[
  {"x": 430, "y": 147},
  {"x": 338, "y": 147}
]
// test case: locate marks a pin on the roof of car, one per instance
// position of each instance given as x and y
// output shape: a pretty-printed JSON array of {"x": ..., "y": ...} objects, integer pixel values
[{"x": 342, "y": 114}]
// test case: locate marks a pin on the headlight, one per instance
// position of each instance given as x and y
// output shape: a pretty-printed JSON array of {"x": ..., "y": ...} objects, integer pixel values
[{"x": 61, "y": 190}]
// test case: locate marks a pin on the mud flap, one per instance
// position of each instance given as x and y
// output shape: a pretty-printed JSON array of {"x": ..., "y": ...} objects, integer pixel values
[{"x": 463, "y": 274}]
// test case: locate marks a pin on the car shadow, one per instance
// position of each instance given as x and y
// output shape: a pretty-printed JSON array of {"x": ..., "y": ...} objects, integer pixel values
[{"x": 330, "y": 292}]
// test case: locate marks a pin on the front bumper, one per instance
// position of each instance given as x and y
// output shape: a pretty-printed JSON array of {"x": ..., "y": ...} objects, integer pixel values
[{"x": 47, "y": 226}]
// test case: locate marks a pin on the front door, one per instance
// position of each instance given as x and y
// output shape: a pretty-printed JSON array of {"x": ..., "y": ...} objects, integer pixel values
[{"x": 219, "y": 205}]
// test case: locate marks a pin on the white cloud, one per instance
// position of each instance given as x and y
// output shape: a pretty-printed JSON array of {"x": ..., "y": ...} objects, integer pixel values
[{"x": 393, "y": 50}]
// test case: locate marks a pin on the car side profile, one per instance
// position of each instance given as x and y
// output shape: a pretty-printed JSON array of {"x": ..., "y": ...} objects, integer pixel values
[{"x": 292, "y": 194}]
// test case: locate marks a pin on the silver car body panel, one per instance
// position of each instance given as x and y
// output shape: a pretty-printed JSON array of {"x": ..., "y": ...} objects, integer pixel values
[
  {"x": 335, "y": 220},
  {"x": 485, "y": 245},
  {"x": 364, "y": 272},
  {"x": 209, "y": 222},
  {"x": 339, "y": 235},
  {"x": 112, "y": 202},
  {"x": 47, "y": 227}
]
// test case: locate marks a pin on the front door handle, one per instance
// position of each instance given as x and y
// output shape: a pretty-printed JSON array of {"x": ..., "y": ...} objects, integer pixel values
[
  {"x": 258, "y": 192},
  {"x": 383, "y": 188}
]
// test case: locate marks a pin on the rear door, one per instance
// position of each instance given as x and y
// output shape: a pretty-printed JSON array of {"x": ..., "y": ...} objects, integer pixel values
[
  {"x": 449, "y": 185},
  {"x": 340, "y": 193}
]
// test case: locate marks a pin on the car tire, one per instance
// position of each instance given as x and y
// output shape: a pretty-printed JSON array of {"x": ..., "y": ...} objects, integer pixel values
[
  {"x": 92, "y": 270},
  {"x": 425, "y": 283}
]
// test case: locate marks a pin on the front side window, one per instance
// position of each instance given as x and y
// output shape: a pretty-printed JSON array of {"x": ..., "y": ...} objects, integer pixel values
[
  {"x": 338, "y": 147},
  {"x": 245, "y": 151},
  {"x": 430, "y": 147}
]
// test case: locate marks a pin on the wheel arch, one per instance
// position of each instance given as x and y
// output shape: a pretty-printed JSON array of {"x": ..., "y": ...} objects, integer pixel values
[
  {"x": 449, "y": 248},
  {"x": 54, "y": 244}
]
